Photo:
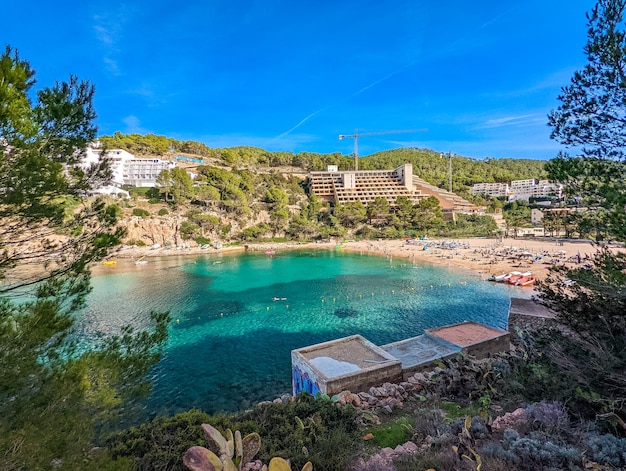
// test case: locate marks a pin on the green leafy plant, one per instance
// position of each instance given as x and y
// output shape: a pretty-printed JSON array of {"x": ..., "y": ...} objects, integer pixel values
[
  {"x": 202, "y": 240},
  {"x": 280, "y": 464},
  {"x": 394, "y": 434},
  {"x": 234, "y": 451}
]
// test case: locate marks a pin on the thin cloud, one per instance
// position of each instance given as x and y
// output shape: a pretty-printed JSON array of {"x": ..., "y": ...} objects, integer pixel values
[
  {"x": 524, "y": 119},
  {"x": 496, "y": 18},
  {"x": 553, "y": 81},
  {"x": 358, "y": 92},
  {"x": 238, "y": 139},
  {"x": 111, "y": 65},
  {"x": 133, "y": 125},
  {"x": 386, "y": 77},
  {"x": 108, "y": 31},
  {"x": 289, "y": 131}
]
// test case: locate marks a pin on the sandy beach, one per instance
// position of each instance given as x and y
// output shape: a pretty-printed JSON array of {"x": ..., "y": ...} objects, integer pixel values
[{"x": 483, "y": 256}]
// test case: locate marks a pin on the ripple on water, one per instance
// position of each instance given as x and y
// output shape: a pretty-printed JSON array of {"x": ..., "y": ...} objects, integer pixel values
[{"x": 236, "y": 322}]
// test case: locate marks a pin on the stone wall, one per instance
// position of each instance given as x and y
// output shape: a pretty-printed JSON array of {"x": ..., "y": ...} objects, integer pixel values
[
  {"x": 365, "y": 380},
  {"x": 489, "y": 347}
]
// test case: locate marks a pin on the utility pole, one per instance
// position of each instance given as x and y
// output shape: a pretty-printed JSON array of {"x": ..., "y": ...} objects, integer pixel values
[
  {"x": 449, "y": 155},
  {"x": 356, "y": 135}
]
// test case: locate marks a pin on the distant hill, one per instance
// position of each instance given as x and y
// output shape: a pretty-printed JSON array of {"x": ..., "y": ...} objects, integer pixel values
[
  {"x": 430, "y": 166},
  {"x": 427, "y": 164}
]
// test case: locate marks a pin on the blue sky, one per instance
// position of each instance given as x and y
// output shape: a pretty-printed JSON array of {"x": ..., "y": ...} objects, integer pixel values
[{"x": 476, "y": 77}]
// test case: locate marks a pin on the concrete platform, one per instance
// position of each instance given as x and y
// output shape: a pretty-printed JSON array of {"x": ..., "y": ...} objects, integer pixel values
[
  {"x": 418, "y": 352},
  {"x": 321, "y": 368},
  {"x": 354, "y": 363}
]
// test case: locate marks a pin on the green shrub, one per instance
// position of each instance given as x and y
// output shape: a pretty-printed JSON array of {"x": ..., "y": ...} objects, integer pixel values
[
  {"x": 393, "y": 434},
  {"x": 324, "y": 434},
  {"x": 140, "y": 212},
  {"x": 154, "y": 201},
  {"x": 202, "y": 240},
  {"x": 78, "y": 230},
  {"x": 138, "y": 191},
  {"x": 163, "y": 212}
]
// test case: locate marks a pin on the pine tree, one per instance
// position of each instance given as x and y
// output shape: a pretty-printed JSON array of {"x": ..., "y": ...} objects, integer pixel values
[
  {"x": 592, "y": 117},
  {"x": 53, "y": 396}
]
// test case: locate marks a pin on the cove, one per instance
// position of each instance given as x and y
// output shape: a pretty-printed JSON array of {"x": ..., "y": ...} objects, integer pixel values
[{"x": 236, "y": 318}]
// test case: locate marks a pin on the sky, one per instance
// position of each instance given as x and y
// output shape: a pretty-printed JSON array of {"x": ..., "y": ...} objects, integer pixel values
[{"x": 475, "y": 78}]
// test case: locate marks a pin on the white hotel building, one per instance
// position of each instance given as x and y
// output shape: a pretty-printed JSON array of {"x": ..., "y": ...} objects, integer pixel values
[
  {"x": 490, "y": 189},
  {"x": 520, "y": 189},
  {"x": 126, "y": 169}
]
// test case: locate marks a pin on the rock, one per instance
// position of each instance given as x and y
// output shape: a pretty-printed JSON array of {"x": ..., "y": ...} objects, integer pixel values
[
  {"x": 372, "y": 401},
  {"x": 419, "y": 378},
  {"x": 410, "y": 448},
  {"x": 387, "y": 409},
  {"x": 353, "y": 399},
  {"x": 368, "y": 436},
  {"x": 365, "y": 397},
  {"x": 386, "y": 453},
  {"x": 509, "y": 420},
  {"x": 256, "y": 465}
]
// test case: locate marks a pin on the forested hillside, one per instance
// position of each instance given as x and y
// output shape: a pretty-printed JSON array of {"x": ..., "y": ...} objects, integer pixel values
[
  {"x": 433, "y": 168},
  {"x": 428, "y": 164}
]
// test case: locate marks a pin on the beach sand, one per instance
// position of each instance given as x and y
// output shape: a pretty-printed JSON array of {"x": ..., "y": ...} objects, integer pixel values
[{"x": 483, "y": 256}]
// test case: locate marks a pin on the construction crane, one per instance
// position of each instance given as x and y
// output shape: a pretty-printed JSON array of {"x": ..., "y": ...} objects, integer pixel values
[{"x": 356, "y": 136}]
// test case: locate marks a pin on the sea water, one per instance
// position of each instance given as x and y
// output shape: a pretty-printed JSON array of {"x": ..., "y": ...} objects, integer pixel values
[{"x": 236, "y": 318}]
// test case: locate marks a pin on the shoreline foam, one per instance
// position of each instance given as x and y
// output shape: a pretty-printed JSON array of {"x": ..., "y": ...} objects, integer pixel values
[{"x": 479, "y": 255}]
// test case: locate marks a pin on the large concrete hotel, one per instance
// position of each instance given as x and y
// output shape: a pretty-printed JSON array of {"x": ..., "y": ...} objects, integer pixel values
[{"x": 366, "y": 185}]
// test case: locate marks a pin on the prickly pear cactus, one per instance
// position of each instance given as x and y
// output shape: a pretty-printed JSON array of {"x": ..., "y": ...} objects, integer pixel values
[
  {"x": 234, "y": 451},
  {"x": 279, "y": 464},
  {"x": 198, "y": 458}
]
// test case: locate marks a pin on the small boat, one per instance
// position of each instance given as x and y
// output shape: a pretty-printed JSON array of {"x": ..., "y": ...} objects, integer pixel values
[
  {"x": 508, "y": 276},
  {"x": 498, "y": 278},
  {"x": 141, "y": 262},
  {"x": 109, "y": 263},
  {"x": 525, "y": 281},
  {"x": 514, "y": 279},
  {"x": 270, "y": 252}
]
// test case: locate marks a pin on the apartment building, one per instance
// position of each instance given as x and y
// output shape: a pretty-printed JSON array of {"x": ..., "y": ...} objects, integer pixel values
[
  {"x": 490, "y": 189},
  {"x": 125, "y": 168},
  {"x": 520, "y": 189}
]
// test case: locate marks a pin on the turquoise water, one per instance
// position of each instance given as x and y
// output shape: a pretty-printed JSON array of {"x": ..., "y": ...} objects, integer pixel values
[{"x": 236, "y": 318}]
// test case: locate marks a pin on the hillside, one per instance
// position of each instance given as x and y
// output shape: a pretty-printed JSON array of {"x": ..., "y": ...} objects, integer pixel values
[
  {"x": 250, "y": 194},
  {"x": 427, "y": 164}
]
